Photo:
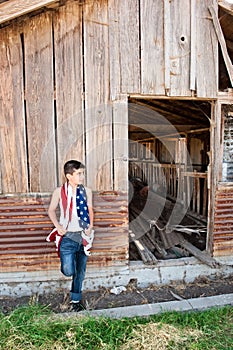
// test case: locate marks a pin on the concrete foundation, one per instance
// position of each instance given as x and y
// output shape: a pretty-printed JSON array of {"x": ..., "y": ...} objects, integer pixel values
[{"x": 166, "y": 271}]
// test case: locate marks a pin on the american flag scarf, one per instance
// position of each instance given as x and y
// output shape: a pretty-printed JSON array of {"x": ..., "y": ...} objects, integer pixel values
[
  {"x": 81, "y": 205},
  {"x": 66, "y": 213}
]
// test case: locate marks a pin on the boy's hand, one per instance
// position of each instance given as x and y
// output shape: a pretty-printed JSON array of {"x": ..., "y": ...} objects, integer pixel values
[
  {"x": 61, "y": 230},
  {"x": 88, "y": 231}
]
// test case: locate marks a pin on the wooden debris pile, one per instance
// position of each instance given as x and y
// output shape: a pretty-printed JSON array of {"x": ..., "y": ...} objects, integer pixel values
[{"x": 150, "y": 239}]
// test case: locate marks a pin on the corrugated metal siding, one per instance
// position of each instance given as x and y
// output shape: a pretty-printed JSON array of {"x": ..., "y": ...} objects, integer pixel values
[
  {"x": 24, "y": 225},
  {"x": 223, "y": 222}
]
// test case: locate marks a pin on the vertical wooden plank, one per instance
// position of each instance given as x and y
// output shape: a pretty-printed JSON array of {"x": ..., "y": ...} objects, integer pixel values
[
  {"x": 69, "y": 83},
  {"x": 124, "y": 47},
  {"x": 205, "y": 196},
  {"x": 213, "y": 169},
  {"x": 188, "y": 194},
  {"x": 114, "y": 48},
  {"x": 13, "y": 161},
  {"x": 207, "y": 51},
  {"x": 98, "y": 112},
  {"x": 193, "y": 47},
  {"x": 166, "y": 40},
  {"x": 152, "y": 47},
  {"x": 129, "y": 46},
  {"x": 180, "y": 48},
  {"x": 40, "y": 102},
  {"x": 120, "y": 143}
]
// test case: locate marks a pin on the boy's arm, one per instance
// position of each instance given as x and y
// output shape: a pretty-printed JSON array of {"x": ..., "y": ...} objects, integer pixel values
[
  {"x": 90, "y": 210},
  {"x": 52, "y": 211},
  {"x": 91, "y": 216}
]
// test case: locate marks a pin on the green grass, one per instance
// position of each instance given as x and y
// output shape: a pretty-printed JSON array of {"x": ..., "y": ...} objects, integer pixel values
[{"x": 34, "y": 327}]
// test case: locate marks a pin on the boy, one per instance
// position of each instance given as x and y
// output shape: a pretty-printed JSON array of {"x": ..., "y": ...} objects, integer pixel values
[{"x": 74, "y": 227}]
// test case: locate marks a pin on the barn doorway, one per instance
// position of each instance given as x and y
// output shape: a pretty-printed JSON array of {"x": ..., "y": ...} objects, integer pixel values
[{"x": 169, "y": 145}]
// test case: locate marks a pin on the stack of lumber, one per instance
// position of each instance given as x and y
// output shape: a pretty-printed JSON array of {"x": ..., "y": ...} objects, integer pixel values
[{"x": 154, "y": 240}]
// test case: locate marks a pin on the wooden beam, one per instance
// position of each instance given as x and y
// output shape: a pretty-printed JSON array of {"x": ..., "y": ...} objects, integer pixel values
[
  {"x": 200, "y": 255},
  {"x": 167, "y": 26},
  {"x": 222, "y": 43},
  {"x": 226, "y": 6},
  {"x": 193, "y": 47},
  {"x": 15, "y": 8}
]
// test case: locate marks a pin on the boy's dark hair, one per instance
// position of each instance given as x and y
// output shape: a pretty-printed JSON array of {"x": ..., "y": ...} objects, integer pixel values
[{"x": 71, "y": 166}]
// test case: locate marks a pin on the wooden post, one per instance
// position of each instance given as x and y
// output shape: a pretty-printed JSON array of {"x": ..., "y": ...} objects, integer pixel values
[
  {"x": 167, "y": 26},
  {"x": 193, "y": 47},
  {"x": 120, "y": 143}
]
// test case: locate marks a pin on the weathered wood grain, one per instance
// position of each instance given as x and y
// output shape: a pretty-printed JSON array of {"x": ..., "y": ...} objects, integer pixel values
[
  {"x": 40, "y": 103},
  {"x": 227, "y": 6},
  {"x": 13, "y": 170},
  {"x": 166, "y": 39},
  {"x": 120, "y": 146},
  {"x": 129, "y": 46},
  {"x": 69, "y": 84},
  {"x": 180, "y": 48},
  {"x": 206, "y": 52},
  {"x": 98, "y": 111},
  {"x": 124, "y": 48},
  {"x": 222, "y": 43},
  {"x": 152, "y": 48},
  {"x": 193, "y": 39},
  {"x": 215, "y": 160},
  {"x": 114, "y": 49},
  {"x": 15, "y": 8}
]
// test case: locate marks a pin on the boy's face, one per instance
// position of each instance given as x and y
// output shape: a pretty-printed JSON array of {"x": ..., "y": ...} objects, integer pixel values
[{"x": 77, "y": 177}]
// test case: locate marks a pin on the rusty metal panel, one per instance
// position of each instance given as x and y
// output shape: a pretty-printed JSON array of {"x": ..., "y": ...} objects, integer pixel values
[
  {"x": 24, "y": 226},
  {"x": 111, "y": 242},
  {"x": 223, "y": 222}
]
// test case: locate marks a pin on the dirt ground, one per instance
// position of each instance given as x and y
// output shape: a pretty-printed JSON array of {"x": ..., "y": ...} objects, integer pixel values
[{"x": 102, "y": 299}]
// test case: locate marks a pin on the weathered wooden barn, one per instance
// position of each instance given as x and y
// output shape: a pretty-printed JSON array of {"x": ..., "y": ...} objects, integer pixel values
[{"x": 141, "y": 91}]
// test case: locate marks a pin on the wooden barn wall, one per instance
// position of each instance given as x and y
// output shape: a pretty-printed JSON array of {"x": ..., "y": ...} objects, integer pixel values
[
  {"x": 205, "y": 68},
  {"x": 13, "y": 147},
  {"x": 66, "y": 75},
  {"x": 63, "y": 69},
  {"x": 98, "y": 112},
  {"x": 152, "y": 48},
  {"x": 68, "y": 81},
  {"x": 38, "y": 59}
]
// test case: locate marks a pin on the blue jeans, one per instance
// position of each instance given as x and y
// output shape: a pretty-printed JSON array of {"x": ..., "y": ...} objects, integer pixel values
[{"x": 73, "y": 263}]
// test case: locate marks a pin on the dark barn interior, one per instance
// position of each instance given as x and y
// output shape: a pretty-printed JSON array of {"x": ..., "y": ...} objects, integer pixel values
[{"x": 169, "y": 142}]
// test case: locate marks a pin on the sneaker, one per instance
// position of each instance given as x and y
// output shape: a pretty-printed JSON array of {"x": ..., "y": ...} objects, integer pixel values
[{"x": 76, "y": 307}]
